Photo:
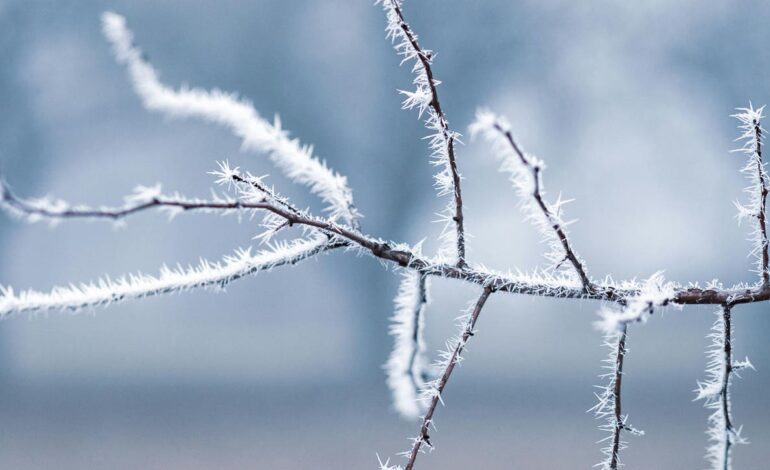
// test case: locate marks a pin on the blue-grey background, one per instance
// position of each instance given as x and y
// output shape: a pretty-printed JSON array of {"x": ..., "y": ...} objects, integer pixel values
[{"x": 628, "y": 103}]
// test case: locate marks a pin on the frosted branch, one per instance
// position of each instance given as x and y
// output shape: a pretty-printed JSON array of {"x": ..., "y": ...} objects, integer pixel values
[
  {"x": 106, "y": 291},
  {"x": 143, "y": 198},
  {"x": 425, "y": 99},
  {"x": 654, "y": 292},
  {"x": 751, "y": 128},
  {"x": 450, "y": 358},
  {"x": 525, "y": 172},
  {"x": 609, "y": 405},
  {"x": 407, "y": 366},
  {"x": 294, "y": 159},
  {"x": 715, "y": 391}
]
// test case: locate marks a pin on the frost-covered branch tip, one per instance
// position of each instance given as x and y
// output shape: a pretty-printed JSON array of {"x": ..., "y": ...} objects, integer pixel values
[
  {"x": 525, "y": 172},
  {"x": 294, "y": 159},
  {"x": 425, "y": 99},
  {"x": 449, "y": 359},
  {"x": 715, "y": 391},
  {"x": 407, "y": 367},
  {"x": 756, "y": 208}
]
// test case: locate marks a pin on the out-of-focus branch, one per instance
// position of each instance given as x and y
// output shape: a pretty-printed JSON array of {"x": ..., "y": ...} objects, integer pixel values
[
  {"x": 135, "y": 286},
  {"x": 294, "y": 159},
  {"x": 406, "y": 367}
]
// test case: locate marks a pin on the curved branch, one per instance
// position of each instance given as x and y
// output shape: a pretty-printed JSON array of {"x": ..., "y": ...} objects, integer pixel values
[{"x": 294, "y": 159}]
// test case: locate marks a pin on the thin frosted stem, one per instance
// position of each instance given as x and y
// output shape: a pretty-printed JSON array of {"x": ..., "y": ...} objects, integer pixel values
[
  {"x": 425, "y": 98},
  {"x": 433, "y": 393}
]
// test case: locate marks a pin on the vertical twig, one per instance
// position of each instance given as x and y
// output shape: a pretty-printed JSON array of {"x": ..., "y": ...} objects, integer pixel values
[
  {"x": 398, "y": 25},
  {"x": 716, "y": 392},
  {"x": 751, "y": 125},
  {"x": 610, "y": 405},
  {"x": 725, "y": 389},
  {"x": 763, "y": 190}
]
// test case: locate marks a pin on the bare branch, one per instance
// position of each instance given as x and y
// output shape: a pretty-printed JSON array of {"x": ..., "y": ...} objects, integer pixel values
[{"x": 425, "y": 98}]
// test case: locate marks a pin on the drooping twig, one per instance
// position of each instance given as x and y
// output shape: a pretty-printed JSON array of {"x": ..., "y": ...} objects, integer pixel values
[
  {"x": 751, "y": 125},
  {"x": 451, "y": 358},
  {"x": 715, "y": 392},
  {"x": 425, "y": 98},
  {"x": 406, "y": 367},
  {"x": 525, "y": 171}
]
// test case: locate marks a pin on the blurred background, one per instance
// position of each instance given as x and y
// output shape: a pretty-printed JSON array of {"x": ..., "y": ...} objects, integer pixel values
[{"x": 628, "y": 103}]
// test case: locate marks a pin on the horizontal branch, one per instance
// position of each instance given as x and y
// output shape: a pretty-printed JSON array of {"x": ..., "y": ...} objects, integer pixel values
[
  {"x": 144, "y": 199},
  {"x": 402, "y": 255}
]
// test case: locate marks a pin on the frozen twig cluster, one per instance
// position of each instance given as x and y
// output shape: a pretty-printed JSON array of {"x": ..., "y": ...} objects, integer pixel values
[{"x": 416, "y": 385}]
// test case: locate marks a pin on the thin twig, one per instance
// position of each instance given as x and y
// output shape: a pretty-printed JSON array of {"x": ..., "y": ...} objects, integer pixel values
[
  {"x": 452, "y": 361},
  {"x": 763, "y": 203},
  {"x": 425, "y": 58},
  {"x": 535, "y": 170},
  {"x": 715, "y": 390},
  {"x": 724, "y": 393},
  {"x": 619, "y": 425}
]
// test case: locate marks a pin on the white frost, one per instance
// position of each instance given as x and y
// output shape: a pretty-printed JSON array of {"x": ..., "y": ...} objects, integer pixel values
[
  {"x": 106, "y": 291},
  {"x": 294, "y": 159}
]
